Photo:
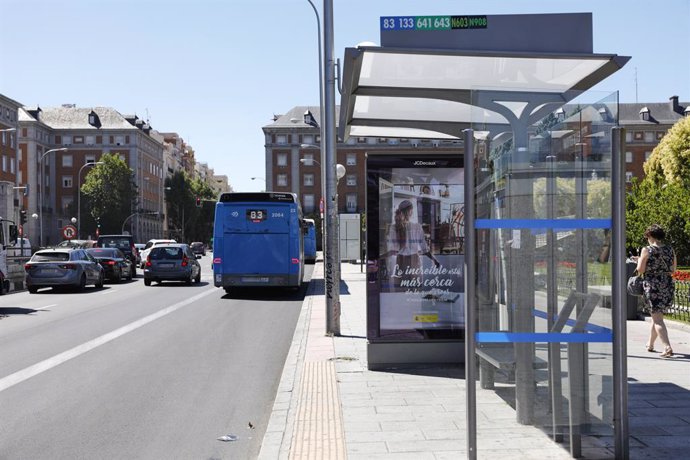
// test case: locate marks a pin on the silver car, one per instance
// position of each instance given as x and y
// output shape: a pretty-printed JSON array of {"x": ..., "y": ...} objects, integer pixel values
[
  {"x": 171, "y": 262},
  {"x": 62, "y": 267}
]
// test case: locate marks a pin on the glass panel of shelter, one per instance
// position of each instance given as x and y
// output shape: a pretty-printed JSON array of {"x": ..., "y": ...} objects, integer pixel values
[{"x": 543, "y": 289}]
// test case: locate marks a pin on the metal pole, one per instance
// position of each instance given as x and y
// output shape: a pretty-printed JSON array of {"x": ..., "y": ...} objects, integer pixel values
[
  {"x": 322, "y": 144},
  {"x": 40, "y": 207},
  {"x": 470, "y": 297},
  {"x": 618, "y": 297},
  {"x": 332, "y": 265}
]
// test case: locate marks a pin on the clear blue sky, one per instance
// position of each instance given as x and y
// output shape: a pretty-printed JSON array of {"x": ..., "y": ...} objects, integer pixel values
[{"x": 215, "y": 71}]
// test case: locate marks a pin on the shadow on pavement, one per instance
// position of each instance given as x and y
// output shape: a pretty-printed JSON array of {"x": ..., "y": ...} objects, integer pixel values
[
  {"x": 267, "y": 293},
  {"x": 6, "y": 311},
  {"x": 319, "y": 286}
]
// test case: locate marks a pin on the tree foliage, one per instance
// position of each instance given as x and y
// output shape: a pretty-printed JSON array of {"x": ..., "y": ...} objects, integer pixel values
[
  {"x": 108, "y": 196},
  {"x": 187, "y": 221},
  {"x": 663, "y": 196},
  {"x": 670, "y": 159}
]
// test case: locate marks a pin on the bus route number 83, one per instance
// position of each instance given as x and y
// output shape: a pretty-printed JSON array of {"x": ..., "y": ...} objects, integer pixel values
[{"x": 256, "y": 215}]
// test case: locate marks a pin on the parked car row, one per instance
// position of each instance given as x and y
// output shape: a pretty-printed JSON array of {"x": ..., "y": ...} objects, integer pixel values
[{"x": 75, "y": 267}]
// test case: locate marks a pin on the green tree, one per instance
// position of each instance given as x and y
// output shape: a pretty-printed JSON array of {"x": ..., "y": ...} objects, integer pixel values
[
  {"x": 108, "y": 196},
  {"x": 670, "y": 159},
  {"x": 188, "y": 222}
]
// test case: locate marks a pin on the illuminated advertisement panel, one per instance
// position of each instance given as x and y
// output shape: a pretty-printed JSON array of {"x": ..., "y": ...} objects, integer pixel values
[{"x": 415, "y": 236}]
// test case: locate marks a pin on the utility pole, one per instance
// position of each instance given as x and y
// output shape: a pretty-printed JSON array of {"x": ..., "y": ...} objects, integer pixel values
[{"x": 332, "y": 258}]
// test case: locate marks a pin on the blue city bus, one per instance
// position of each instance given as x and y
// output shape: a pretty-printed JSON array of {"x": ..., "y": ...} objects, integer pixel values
[
  {"x": 258, "y": 240},
  {"x": 309, "y": 241}
]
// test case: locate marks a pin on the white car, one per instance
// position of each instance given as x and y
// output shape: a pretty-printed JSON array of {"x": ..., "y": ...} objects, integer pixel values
[{"x": 144, "y": 253}]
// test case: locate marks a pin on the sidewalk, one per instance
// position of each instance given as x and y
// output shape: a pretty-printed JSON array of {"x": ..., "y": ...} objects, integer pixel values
[{"x": 329, "y": 406}]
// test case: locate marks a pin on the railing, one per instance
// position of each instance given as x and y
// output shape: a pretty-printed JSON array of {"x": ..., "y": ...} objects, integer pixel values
[{"x": 681, "y": 302}]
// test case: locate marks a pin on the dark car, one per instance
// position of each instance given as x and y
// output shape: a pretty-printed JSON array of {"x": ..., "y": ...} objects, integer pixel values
[
  {"x": 116, "y": 265},
  {"x": 198, "y": 248},
  {"x": 79, "y": 244},
  {"x": 124, "y": 243},
  {"x": 62, "y": 267},
  {"x": 172, "y": 262}
]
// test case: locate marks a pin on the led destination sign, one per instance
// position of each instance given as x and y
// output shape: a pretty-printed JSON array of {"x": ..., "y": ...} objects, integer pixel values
[{"x": 433, "y": 22}]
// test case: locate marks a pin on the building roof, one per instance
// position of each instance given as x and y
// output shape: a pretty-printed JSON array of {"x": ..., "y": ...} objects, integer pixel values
[
  {"x": 294, "y": 118},
  {"x": 659, "y": 113},
  {"x": 78, "y": 118}
]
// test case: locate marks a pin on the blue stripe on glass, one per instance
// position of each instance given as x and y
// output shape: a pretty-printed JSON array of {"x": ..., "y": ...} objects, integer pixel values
[
  {"x": 542, "y": 223},
  {"x": 541, "y": 337},
  {"x": 571, "y": 322}
]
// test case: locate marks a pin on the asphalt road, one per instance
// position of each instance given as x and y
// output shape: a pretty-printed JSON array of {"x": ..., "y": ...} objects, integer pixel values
[{"x": 135, "y": 372}]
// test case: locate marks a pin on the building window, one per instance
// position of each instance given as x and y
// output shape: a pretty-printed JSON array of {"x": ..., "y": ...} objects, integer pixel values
[
  {"x": 90, "y": 159},
  {"x": 282, "y": 159},
  {"x": 308, "y": 139},
  {"x": 67, "y": 203},
  {"x": 67, "y": 181},
  {"x": 119, "y": 140},
  {"x": 639, "y": 135},
  {"x": 351, "y": 179},
  {"x": 351, "y": 202},
  {"x": 649, "y": 136},
  {"x": 628, "y": 157},
  {"x": 308, "y": 203},
  {"x": 281, "y": 139},
  {"x": 12, "y": 169},
  {"x": 90, "y": 140},
  {"x": 308, "y": 159},
  {"x": 628, "y": 176},
  {"x": 78, "y": 139},
  {"x": 308, "y": 180},
  {"x": 351, "y": 141},
  {"x": 66, "y": 140},
  {"x": 647, "y": 155},
  {"x": 4, "y": 163},
  {"x": 281, "y": 180},
  {"x": 351, "y": 159}
]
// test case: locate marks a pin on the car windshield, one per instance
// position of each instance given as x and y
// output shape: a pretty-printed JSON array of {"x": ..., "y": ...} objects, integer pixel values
[
  {"x": 166, "y": 253},
  {"x": 103, "y": 252},
  {"x": 50, "y": 257}
]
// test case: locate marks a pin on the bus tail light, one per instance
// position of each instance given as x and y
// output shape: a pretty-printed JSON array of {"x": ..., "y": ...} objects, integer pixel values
[{"x": 295, "y": 261}]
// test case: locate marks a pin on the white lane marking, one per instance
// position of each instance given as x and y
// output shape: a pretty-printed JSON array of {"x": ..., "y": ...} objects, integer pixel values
[
  {"x": 47, "y": 364},
  {"x": 47, "y": 306},
  {"x": 109, "y": 291}
]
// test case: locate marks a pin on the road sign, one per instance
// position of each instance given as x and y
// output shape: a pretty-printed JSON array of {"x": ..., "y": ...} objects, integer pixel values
[{"x": 69, "y": 232}]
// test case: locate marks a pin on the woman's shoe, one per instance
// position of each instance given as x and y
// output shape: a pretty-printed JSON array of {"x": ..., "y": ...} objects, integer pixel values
[
  {"x": 668, "y": 352},
  {"x": 650, "y": 348}
]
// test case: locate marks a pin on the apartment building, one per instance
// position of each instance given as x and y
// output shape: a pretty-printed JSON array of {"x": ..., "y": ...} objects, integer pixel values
[
  {"x": 9, "y": 171},
  {"x": 87, "y": 133},
  {"x": 293, "y": 162},
  {"x": 646, "y": 124}
]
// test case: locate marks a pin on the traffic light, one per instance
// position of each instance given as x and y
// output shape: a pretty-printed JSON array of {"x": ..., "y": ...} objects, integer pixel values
[
  {"x": 22, "y": 216},
  {"x": 198, "y": 202}
]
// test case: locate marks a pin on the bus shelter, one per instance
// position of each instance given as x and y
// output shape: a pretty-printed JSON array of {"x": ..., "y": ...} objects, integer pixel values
[{"x": 544, "y": 264}]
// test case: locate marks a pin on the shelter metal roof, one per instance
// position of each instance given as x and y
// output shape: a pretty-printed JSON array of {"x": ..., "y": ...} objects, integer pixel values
[{"x": 422, "y": 93}]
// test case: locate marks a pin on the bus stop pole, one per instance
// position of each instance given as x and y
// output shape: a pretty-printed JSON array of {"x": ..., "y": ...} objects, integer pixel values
[
  {"x": 332, "y": 258},
  {"x": 618, "y": 296},
  {"x": 470, "y": 299}
]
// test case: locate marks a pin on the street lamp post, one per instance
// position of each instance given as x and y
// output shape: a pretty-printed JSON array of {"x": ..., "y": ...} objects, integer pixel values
[
  {"x": 259, "y": 178},
  {"x": 79, "y": 195},
  {"x": 40, "y": 210}
]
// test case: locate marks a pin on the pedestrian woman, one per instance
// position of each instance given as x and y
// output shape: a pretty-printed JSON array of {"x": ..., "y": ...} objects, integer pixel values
[{"x": 657, "y": 262}]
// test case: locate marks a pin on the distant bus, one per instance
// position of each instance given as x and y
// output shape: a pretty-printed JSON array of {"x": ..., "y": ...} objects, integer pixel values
[
  {"x": 309, "y": 241},
  {"x": 258, "y": 240}
]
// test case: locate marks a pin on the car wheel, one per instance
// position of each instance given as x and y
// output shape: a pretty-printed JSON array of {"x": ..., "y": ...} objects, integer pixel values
[
  {"x": 33, "y": 290},
  {"x": 101, "y": 280},
  {"x": 82, "y": 283},
  {"x": 118, "y": 278},
  {"x": 147, "y": 282},
  {"x": 188, "y": 281}
]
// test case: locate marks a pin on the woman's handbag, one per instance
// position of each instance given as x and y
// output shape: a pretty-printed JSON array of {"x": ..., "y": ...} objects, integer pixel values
[{"x": 635, "y": 284}]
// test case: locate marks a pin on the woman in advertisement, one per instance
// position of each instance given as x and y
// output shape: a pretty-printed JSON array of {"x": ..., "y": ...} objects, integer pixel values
[{"x": 406, "y": 241}]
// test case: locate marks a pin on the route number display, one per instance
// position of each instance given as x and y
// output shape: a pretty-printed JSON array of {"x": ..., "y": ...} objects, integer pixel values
[
  {"x": 433, "y": 22},
  {"x": 256, "y": 215}
]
